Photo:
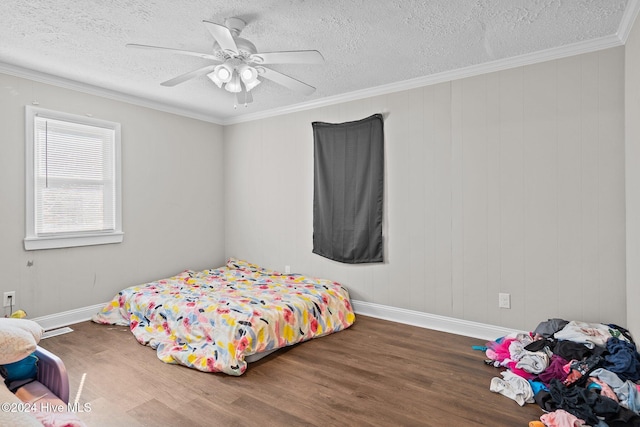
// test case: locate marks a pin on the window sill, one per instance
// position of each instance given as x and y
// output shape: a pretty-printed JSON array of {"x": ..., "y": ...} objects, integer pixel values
[{"x": 70, "y": 241}]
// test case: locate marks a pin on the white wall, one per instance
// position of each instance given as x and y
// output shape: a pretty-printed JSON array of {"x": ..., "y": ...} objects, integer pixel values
[
  {"x": 632, "y": 157},
  {"x": 507, "y": 182},
  {"x": 172, "y": 203}
]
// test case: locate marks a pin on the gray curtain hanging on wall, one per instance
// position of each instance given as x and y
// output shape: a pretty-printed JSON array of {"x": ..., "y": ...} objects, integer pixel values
[{"x": 348, "y": 190}]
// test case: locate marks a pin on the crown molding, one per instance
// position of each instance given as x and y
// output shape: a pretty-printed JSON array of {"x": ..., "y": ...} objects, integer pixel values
[
  {"x": 446, "y": 76},
  {"x": 628, "y": 19},
  {"x": 62, "y": 82}
]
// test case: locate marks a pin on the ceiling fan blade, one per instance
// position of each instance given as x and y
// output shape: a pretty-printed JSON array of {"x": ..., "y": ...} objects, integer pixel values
[
  {"x": 180, "y": 51},
  {"x": 223, "y": 36},
  {"x": 191, "y": 74},
  {"x": 286, "y": 81},
  {"x": 292, "y": 57}
]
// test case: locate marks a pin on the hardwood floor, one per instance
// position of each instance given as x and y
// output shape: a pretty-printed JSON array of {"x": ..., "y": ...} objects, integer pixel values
[{"x": 376, "y": 373}]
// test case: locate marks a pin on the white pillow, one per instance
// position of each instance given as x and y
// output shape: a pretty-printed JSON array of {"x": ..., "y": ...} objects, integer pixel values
[{"x": 18, "y": 339}]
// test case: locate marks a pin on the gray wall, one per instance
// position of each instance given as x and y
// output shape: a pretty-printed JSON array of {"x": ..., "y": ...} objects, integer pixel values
[
  {"x": 632, "y": 138},
  {"x": 511, "y": 181},
  {"x": 173, "y": 217},
  {"x": 507, "y": 182}
]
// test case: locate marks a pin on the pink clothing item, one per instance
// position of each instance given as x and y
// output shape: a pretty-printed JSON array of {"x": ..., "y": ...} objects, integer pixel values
[
  {"x": 605, "y": 389},
  {"x": 507, "y": 352},
  {"x": 567, "y": 367},
  {"x": 561, "y": 418},
  {"x": 59, "y": 419},
  {"x": 499, "y": 350},
  {"x": 491, "y": 354}
]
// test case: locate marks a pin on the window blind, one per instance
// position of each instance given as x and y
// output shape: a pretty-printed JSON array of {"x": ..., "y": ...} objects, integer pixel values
[{"x": 74, "y": 173}]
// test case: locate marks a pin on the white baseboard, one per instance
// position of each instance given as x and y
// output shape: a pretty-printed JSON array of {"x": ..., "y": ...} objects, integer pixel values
[
  {"x": 431, "y": 321},
  {"x": 66, "y": 318},
  {"x": 400, "y": 315}
]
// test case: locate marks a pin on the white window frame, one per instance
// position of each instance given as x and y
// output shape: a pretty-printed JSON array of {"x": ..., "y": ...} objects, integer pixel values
[{"x": 33, "y": 241}]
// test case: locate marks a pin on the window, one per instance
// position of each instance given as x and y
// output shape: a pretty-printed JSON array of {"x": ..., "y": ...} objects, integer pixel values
[{"x": 72, "y": 180}]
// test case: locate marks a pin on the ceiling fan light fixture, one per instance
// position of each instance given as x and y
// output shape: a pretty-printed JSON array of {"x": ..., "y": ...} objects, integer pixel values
[
  {"x": 247, "y": 73},
  {"x": 213, "y": 78},
  {"x": 249, "y": 76},
  {"x": 223, "y": 74},
  {"x": 220, "y": 75},
  {"x": 251, "y": 85},
  {"x": 234, "y": 85}
]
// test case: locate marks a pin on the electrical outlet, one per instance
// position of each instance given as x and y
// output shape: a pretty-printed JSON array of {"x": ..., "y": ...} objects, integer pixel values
[
  {"x": 9, "y": 299},
  {"x": 287, "y": 269},
  {"x": 504, "y": 300}
]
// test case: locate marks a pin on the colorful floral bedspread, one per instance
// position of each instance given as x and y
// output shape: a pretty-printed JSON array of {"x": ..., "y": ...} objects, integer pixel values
[{"x": 211, "y": 320}]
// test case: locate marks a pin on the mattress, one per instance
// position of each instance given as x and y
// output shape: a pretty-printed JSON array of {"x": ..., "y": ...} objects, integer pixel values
[{"x": 216, "y": 319}]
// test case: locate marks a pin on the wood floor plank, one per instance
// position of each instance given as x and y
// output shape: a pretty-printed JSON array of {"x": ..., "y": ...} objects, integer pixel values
[
  {"x": 154, "y": 412},
  {"x": 374, "y": 373}
]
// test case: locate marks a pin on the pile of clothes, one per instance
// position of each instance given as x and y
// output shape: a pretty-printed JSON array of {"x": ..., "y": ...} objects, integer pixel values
[{"x": 579, "y": 373}]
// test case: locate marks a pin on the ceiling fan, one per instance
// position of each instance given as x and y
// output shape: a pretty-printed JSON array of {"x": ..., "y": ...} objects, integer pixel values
[{"x": 237, "y": 64}]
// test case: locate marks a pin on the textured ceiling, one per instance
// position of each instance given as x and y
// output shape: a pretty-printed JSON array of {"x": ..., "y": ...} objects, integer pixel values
[{"x": 366, "y": 43}]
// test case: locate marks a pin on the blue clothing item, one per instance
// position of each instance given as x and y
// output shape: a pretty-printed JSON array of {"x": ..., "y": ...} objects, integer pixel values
[
  {"x": 594, "y": 385},
  {"x": 537, "y": 386},
  {"x": 24, "y": 369},
  {"x": 626, "y": 391},
  {"x": 623, "y": 359}
]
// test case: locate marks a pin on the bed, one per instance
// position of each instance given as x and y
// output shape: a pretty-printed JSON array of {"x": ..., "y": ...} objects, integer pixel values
[{"x": 218, "y": 320}]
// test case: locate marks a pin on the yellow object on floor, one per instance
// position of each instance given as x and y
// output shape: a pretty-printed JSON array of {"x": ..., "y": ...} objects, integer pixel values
[{"x": 19, "y": 314}]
